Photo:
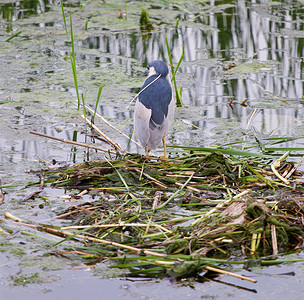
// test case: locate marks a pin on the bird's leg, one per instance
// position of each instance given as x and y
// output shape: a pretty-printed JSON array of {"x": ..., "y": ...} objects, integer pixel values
[
  {"x": 164, "y": 144},
  {"x": 147, "y": 151}
]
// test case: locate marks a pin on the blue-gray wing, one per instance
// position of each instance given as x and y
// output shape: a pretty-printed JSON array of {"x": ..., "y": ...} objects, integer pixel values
[{"x": 156, "y": 97}]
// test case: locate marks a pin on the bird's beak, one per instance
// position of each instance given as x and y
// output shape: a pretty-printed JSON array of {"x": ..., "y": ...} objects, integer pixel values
[{"x": 145, "y": 74}]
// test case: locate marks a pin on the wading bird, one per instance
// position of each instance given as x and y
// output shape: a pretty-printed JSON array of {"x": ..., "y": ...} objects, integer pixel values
[{"x": 154, "y": 108}]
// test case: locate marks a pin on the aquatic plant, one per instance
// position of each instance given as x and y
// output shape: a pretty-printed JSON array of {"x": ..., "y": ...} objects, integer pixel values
[{"x": 144, "y": 21}]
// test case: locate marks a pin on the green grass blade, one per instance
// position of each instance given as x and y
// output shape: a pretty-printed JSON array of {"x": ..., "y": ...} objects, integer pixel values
[
  {"x": 176, "y": 23},
  {"x": 130, "y": 138},
  {"x": 73, "y": 60},
  {"x": 72, "y": 54},
  {"x": 120, "y": 176},
  {"x": 63, "y": 16},
  {"x": 267, "y": 181},
  {"x": 97, "y": 102},
  {"x": 180, "y": 60},
  {"x": 84, "y": 112},
  {"x": 176, "y": 194},
  {"x": 179, "y": 102},
  {"x": 283, "y": 149},
  {"x": 224, "y": 151},
  {"x": 169, "y": 54},
  {"x": 13, "y": 36}
]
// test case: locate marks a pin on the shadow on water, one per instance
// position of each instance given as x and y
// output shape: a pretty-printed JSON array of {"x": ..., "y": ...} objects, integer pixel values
[{"x": 234, "y": 50}]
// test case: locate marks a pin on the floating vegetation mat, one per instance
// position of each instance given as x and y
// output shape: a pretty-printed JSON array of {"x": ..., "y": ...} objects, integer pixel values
[{"x": 185, "y": 216}]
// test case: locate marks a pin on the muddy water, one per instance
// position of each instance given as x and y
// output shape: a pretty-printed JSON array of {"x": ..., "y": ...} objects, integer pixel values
[{"x": 262, "y": 40}]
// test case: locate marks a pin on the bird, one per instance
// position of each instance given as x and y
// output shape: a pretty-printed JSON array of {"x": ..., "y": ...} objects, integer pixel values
[{"x": 154, "y": 107}]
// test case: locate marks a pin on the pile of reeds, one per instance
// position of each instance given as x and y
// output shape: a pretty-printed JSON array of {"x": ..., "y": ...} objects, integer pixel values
[{"x": 178, "y": 214}]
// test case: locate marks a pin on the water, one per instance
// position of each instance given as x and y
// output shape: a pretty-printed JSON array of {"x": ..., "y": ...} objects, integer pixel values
[{"x": 263, "y": 39}]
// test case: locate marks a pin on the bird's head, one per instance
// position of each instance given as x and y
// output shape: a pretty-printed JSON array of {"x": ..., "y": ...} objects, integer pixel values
[{"x": 156, "y": 67}]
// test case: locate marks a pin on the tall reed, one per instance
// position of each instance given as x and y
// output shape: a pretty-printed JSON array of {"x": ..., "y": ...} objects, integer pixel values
[{"x": 178, "y": 92}]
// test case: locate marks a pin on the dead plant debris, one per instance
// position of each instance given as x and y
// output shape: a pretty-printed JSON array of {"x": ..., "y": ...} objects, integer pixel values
[{"x": 184, "y": 215}]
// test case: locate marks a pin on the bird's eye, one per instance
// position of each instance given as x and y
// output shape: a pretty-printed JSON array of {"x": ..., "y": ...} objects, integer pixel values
[{"x": 148, "y": 67}]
